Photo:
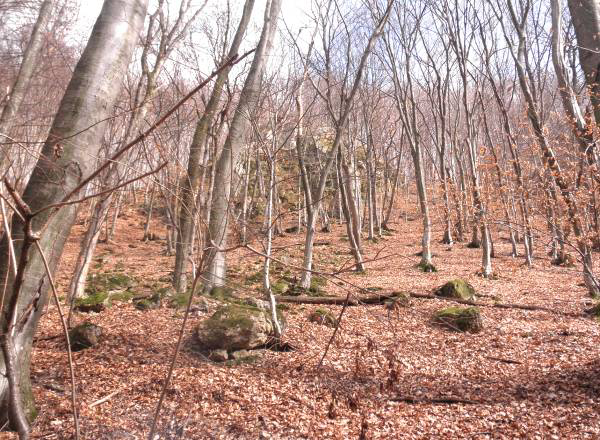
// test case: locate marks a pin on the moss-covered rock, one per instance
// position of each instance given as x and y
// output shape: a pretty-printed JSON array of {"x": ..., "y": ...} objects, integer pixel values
[
  {"x": 96, "y": 302},
  {"x": 399, "y": 301},
  {"x": 594, "y": 310},
  {"x": 149, "y": 303},
  {"x": 457, "y": 288},
  {"x": 323, "y": 317},
  {"x": 235, "y": 327},
  {"x": 464, "y": 319},
  {"x": 84, "y": 336}
]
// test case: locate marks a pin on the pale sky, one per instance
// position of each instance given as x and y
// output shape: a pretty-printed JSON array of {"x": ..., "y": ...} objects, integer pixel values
[{"x": 293, "y": 12}]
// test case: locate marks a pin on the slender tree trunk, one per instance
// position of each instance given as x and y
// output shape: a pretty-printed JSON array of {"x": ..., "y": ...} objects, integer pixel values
[
  {"x": 215, "y": 272},
  {"x": 188, "y": 210},
  {"x": 26, "y": 70}
]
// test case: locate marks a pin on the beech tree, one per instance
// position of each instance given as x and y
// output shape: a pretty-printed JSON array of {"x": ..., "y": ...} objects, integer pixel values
[{"x": 38, "y": 234}]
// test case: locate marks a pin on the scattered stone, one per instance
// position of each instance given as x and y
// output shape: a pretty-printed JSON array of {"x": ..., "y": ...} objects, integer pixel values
[
  {"x": 246, "y": 355},
  {"x": 323, "y": 317},
  {"x": 457, "y": 288},
  {"x": 84, "y": 336},
  {"x": 464, "y": 319},
  {"x": 218, "y": 355}
]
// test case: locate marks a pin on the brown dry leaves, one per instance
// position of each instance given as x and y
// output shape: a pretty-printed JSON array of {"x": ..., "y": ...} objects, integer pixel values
[{"x": 552, "y": 392}]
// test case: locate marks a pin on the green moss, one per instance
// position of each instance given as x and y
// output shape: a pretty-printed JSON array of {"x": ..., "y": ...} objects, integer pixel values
[
  {"x": 254, "y": 278},
  {"x": 121, "y": 296},
  {"x": 107, "y": 282},
  {"x": 233, "y": 316},
  {"x": 221, "y": 293},
  {"x": 279, "y": 287},
  {"x": 457, "y": 288},
  {"x": 465, "y": 319},
  {"x": 179, "y": 300}
]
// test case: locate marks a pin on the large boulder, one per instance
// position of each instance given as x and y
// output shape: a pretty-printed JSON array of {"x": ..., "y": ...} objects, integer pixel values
[
  {"x": 464, "y": 319},
  {"x": 236, "y": 327},
  {"x": 457, "y": 288}
]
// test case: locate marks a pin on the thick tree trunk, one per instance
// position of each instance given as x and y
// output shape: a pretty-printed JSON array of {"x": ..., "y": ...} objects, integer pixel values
[{"x": 60, "y": 169}]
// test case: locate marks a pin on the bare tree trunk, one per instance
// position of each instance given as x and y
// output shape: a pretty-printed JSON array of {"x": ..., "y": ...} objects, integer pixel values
[
  {"x": 88, "y": 99},
  {"x": 24, "y": 75},
  {"x": 215, "y": 272},
  {"x": 88, "y": 246},
  {"x": 188, "y": 211}
]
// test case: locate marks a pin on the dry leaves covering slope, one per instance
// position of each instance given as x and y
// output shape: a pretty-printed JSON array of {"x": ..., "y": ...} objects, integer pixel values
[{"x": 528, "y": 374}]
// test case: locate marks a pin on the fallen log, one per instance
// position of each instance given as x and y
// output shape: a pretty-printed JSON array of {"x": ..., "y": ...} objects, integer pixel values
[
  {"x": 380, "y": 298},
  {"x": 337, "y": 300}
]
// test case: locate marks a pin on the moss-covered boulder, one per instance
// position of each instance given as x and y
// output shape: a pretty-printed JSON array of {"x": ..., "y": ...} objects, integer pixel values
[
  {"x": 457, "y": 288},
  {"x": 149, "y": 302},
  {"x": 323, "y": 317},
  {"x": 464, "y": 319},
  {"x": 235, "y": 327},
  {"x": 84, "y": 336}
]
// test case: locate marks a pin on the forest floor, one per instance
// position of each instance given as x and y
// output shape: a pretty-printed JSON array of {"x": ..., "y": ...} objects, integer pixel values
[{"x": 528, "y": 374}]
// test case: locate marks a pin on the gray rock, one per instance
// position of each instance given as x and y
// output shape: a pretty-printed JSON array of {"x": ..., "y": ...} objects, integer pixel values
[{"x": 218, "y": 355}]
